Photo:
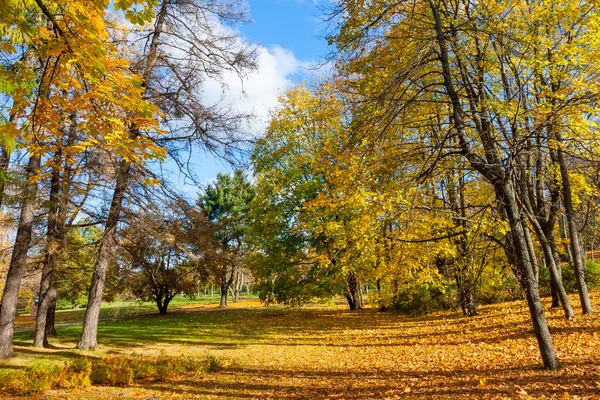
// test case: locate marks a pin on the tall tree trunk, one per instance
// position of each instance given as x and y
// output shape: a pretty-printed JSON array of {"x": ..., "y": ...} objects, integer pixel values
[
  {"x": 531, "y": 250},
  {"x": 61, "y": 221},
  {"x": 490, "y": 168},
  {"x": 361, "y": 299},
  {"x": 525, "y": 265},
  {"x": 234, "y": 289},
  {"x": 578, "y": 256},
  {"x": 239, "y": 281},
  {"x": 51, "y": 318},
  {"x": 92, "y": 313},
  {"x": 463, "y": 272},
  {"x": 543, "y": 226},
  {"x": 224, "y": 292},
  {"x": 43, "y": 329},
  {"x": 557, "y": 264},
  {"x": 556, "y": 280},
  {"x": 562, "y": 223},
  {"x": 353, "y": 295},
  {"x": 4, "y": 161},
  {"x": 8, "y": 306},
  {"x": 554, "y": 295},
  {"x": 47, "y": 294},
  {"x": 50, "y": 255},
  {"x": 226, "y": 283}
]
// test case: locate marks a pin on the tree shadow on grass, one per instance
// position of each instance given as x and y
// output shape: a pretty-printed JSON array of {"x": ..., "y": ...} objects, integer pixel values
[
  {"x": 56, "y": 352},
  {"x": 466, "y": 383},
  {"x": 239, "y": 328},
  {"x": 236, "y": 328}
]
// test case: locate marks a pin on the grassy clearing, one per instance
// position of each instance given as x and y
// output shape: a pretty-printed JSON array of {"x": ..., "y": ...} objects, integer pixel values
[
  {"x": 121, "y": 309},
  {"x": 328, "y": 352}
]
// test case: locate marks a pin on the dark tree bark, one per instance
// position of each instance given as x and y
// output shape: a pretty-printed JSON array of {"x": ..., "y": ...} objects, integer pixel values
[
  {"x": 466, "y": 297},
  {"x": 61, "y": 231},
  {"x": 47, "y": 295},
  {"x": 224, "y": 293},
  {"x": 353, "y": 295},
  {"x": 51, "y": 318},
  {"x": 491, "y": 169},
  {"x": 163, "y": 300},
  {"x": 226, "y": 283},
  {"x": 554, "y": 295},
  {"x": 4, "y": 161},
  {"x": 577, "y": 255},
  {"x": 525, "y": 264},
  {"x": 8, "y": 306},
  {"x": 92, "y": 313}
]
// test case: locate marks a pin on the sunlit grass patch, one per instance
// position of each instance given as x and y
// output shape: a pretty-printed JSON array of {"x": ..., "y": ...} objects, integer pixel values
[{"x": 329, "y": 352}]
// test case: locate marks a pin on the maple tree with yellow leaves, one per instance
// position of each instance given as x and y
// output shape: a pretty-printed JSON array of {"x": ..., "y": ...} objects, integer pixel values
[
  {"x": 456, "y": 126},
  {"x": 449, "y": 159}
]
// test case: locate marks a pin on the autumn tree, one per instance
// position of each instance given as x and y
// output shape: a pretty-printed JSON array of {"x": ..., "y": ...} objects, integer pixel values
[
  {"x": 157, "y": 266},
  {"x": 183, "y": 47},
  {"x": 73, "y": 53},
  {"x": 472, "y": 64},
  {"x": 316, "y": 216}
]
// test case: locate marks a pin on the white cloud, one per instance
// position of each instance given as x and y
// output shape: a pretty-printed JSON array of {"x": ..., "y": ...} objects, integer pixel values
[
  {"x": 257, "y": 93},
  {"x": 278, "y": 69}
]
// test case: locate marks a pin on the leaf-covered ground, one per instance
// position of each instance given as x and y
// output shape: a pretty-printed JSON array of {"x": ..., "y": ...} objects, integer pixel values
[{"x": 328, "y": 352}]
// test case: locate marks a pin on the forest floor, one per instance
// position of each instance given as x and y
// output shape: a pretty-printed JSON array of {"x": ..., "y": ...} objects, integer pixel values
[{"x": 329, "y": 352}]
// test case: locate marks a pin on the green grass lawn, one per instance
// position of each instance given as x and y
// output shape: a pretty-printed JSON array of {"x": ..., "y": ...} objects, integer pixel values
[
  {"x": 329, "y": 352},
  {"x": 123, "y": 309}
]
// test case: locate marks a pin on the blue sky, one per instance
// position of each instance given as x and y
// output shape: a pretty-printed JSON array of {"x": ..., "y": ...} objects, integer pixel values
[
  {"x": 291, "y": 24},
  {"x": 289, "y": 36}
]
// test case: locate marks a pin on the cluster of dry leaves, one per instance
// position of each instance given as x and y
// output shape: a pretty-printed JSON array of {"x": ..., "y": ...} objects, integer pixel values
[{"x": 328, "y": 352}]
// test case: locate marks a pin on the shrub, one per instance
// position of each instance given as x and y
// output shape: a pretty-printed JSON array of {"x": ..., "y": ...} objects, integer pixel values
[
  {"x": 64, "y": 304},
  {"x": 506, "y": 289},
  {"x": 424, "y": 298},
  {"x": 216, "y": 364},
  {"x": 592, "y": 274},
  {"x": 113, "y": 370},
  {"x": 32, "y": 380},
  {"x": 592, "y": 277},
  {"x": 75, "y": 375},
  {"x": 165, "y": 368}
]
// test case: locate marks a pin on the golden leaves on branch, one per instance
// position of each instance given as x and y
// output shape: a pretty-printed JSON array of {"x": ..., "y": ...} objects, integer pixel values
[{"x": 83, "y": 82}]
